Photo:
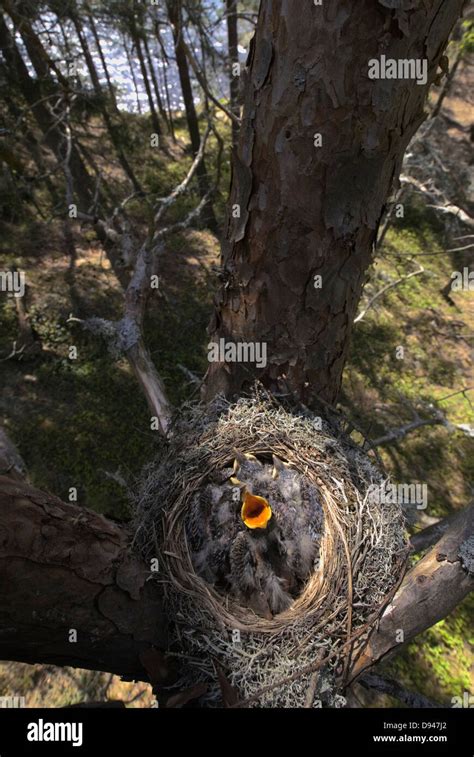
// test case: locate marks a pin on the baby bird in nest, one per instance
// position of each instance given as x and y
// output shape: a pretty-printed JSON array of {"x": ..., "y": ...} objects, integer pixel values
[{"x": 254, "y": 533}]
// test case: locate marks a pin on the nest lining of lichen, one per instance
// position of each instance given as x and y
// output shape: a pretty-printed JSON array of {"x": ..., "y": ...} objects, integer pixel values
[{"x": 362, "y": 554}]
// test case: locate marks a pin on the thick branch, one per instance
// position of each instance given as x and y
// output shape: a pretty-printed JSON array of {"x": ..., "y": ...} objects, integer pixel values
[
  {"x": 430, "y": 591},
  {"x": 65, "y": 568}
]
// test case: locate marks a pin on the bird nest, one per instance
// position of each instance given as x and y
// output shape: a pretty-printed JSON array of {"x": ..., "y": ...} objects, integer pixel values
[{"x": 303, "y": 655}]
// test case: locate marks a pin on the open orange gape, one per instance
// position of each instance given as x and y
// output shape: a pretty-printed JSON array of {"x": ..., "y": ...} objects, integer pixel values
[{"x": 256, "y": 511}]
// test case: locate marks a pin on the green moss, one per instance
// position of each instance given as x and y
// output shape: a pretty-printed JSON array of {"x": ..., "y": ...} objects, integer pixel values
[
  {"x": 96, "y": 422},
  {"x": 437, "y": 663},
  {"x": 436, "y": 360},
  {"x": 8, "y": 329}
]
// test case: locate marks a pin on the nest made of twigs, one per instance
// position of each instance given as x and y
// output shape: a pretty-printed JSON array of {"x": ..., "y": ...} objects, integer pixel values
[{"x": 302, "y": 656}]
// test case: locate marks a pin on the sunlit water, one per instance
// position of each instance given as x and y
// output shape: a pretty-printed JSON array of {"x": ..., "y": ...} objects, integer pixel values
[{"x": 129, "y": 98}]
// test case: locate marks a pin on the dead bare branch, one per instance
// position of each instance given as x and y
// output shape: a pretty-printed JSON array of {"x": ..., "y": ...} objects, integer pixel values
[
  {"x": 428, "y": 593},
  {"x": 385, "y": 289},
  {"x": 192, "y": 216},
  {"x": 446, "y": 209},
  {"x": 397, "y": 434},
  {"x": 125, "y": 337},
  {"x": 182, "y": 187}
]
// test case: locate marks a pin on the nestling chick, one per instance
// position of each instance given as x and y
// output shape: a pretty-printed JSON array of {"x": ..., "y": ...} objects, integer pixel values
[{"x": 254, "y": 533}]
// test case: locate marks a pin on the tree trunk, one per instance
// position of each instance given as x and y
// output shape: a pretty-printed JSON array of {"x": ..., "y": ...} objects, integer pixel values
[
  {"x": 174, "y": 11},
  {"x": 41, "y": 61},
  {"x": 175, "y": 17},
  {"x": 114, "y": 137},
  {"x": 65, "y": 569},
  {"x": 232, "y": 42},
  {"x": 154, "y": 80},
  {"x": 95, "y": 34},
  {"x": 165, "y": 80},
  {"x": 132, "y": 71},
  {"x": 138, "y": 47},
  {"x": 34, "y": 148},
  {"x": 54, "y": 137},
  {"x": 301, "y": 210}
]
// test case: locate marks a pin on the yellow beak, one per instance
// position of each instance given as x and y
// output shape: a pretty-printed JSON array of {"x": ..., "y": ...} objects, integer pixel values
[{"x": 256, "y": 512}]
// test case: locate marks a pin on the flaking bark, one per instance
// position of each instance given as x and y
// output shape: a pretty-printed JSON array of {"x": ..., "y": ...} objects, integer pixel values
[{"x": 307, "y": 210}]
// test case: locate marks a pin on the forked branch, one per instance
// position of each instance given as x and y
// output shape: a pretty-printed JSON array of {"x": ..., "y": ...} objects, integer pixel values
[{"x": 429, "y": 592}]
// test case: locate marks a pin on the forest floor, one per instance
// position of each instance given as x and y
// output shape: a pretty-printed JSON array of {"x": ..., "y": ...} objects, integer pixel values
[{"x": 83, "y": 423}]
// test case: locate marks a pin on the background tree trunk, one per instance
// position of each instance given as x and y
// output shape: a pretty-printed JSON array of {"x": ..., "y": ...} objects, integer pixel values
[
  {"x": 132, "y": 71},
  {"x": 98, "y": 45},
  {"x": 165, "y": 60},
  {"x": 154, "y": 80},
  {"x": 306, "y": 211},
  {"x": 232, "y": 42},
  {"x": 114, "y": 136},
  {"x": 138, "y": 47},
  {"x": 175, "y": 17},
  {"x": 18, "y": 76}
]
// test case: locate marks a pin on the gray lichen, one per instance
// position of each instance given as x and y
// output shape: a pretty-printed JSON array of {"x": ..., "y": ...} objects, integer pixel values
[
  {"x": 120, "y": 336},
  {"x": 466, "y": 554}
]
